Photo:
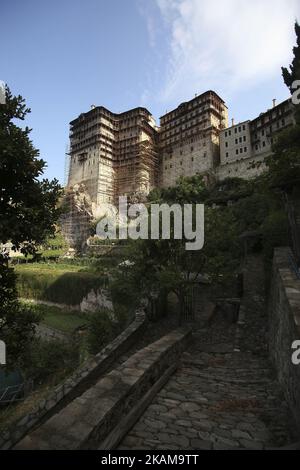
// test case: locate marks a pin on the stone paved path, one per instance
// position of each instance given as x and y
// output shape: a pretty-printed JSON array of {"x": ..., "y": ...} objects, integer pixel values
[{"x": 220, "y": 398}]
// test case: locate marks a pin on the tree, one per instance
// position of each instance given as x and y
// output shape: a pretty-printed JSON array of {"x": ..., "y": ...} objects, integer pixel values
[
  {"x": 292, "y": 74},
  {"x": 166, "y": 264},
  {"x": 28, "y": 213},
  {"x": 284, "y": 163},
  {"x": 28, "y": 206},
  {"x": 17, "y": 325},
  {"x": 188, "y": 189}
]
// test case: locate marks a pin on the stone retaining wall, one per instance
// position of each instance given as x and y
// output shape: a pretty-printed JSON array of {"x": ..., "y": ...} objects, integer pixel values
[
  {"x": 284, "y": 326},
  {"x": 88, "y": 419},
  {"x": 68, "y": 390}
]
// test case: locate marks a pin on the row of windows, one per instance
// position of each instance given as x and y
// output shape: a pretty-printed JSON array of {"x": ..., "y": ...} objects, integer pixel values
[
  {"x": 239, "y": 140},
  {"x": 263, "y": 131},
  {"x": 263, "y": 144},
  {"x": 274, "y": 115},
  {"x": 238, "y": 151},
  {"x": 185, "y": 120},
  {"x": 236, "y": 130},
  {"x": 185, "y": 126},
  {"x": 205, "y": 102}
]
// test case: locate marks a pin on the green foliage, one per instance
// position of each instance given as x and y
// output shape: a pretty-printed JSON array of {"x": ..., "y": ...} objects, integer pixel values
[
  {"x": 27, "y": 204},
  {"x": 251, "y": 211},
  {"x": 51, "y": 361},
  {"x": 101, "y": 331},
  {"x": 58, "y": 318},
  {"x": 229, "y": 189},
  {"x": 28, "y": 214},
  {"x": 293, "y": 73},
  {"x": 17, "y": 322},
  {"x": 284, "y": 164},
  {"x": 125, "y": 287},
  {"x": 42, "y": 282},
  {"x": 57, "y": 282},
  {"x": 54, "y": 245},
  {"x": 190, "y": 189},
  {"x": 275, "y": 232},
  {"x": 157, "y": 265}
]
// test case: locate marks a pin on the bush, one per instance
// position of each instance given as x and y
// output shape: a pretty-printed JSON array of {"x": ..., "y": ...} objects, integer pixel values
[
  {"x": 17, "y": 322},
  {"x": 51, "y": 361},
  {"x": 275, "y": 232},
  {"x": 101, "y": 331}
]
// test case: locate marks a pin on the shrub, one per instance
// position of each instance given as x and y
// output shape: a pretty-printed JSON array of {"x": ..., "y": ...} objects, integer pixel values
[
  {"x": 275, "y": 232},
  {"x": 51, "y": 361},
  {"x": 101, "y": 330}
]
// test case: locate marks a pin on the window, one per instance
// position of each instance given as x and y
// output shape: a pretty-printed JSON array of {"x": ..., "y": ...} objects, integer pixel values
[
  {"x": 240, "y": 128},
  {"x": 264, "y": 144},
  {"x": 236, "y": 141},
  {"x": 245, "y": 149},
  {"x": 244, "y": 139},
  {"x": 235, "y": 130},
  {"x": 237, "y": 151},
  {"x": 226, "y": 154},
  {"x": 226, "y": 144},
  {"x": 229, "y": 132},
  {"x": 225, "y": 134},
  {"x": 241, "y": 150},
  {"x": 244, "y": 127},
  {"x": 240, "y": 140},
  {"x": 256, "y": 147},
  {"x": 192, "y": 148}
]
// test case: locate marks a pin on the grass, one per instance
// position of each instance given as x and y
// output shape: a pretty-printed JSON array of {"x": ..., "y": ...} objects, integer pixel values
[
  {"x": 59, "y": 283},
  {"x": 58, "y": 318},
  {"x": 50, "y": 267}
]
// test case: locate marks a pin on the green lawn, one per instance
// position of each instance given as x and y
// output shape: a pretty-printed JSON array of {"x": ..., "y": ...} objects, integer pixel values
[
  {"x": 59, "y": 283},
  {"x": 58, "y": 318},
  {"x": 49, "y": 267}
]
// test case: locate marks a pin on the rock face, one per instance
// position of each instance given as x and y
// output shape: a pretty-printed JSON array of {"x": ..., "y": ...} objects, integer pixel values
[
  {"x": 79, "y": 216},
  {"x": 97, "y": 300},
  {"x": 76, "y": 221}
]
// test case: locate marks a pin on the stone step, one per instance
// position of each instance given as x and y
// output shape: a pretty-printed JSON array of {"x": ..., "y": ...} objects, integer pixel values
[{"x": 89, "y": 418}]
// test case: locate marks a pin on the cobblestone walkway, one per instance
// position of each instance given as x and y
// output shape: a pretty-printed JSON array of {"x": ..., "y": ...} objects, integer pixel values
[{"x": 220, "y": 398}]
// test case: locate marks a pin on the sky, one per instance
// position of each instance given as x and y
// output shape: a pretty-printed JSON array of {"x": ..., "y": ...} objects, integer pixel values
[{"x": 63, "y": 56}]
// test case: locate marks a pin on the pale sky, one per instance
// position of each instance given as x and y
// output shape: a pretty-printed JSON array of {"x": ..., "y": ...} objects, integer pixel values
[{"x": 65, "y": 55}]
